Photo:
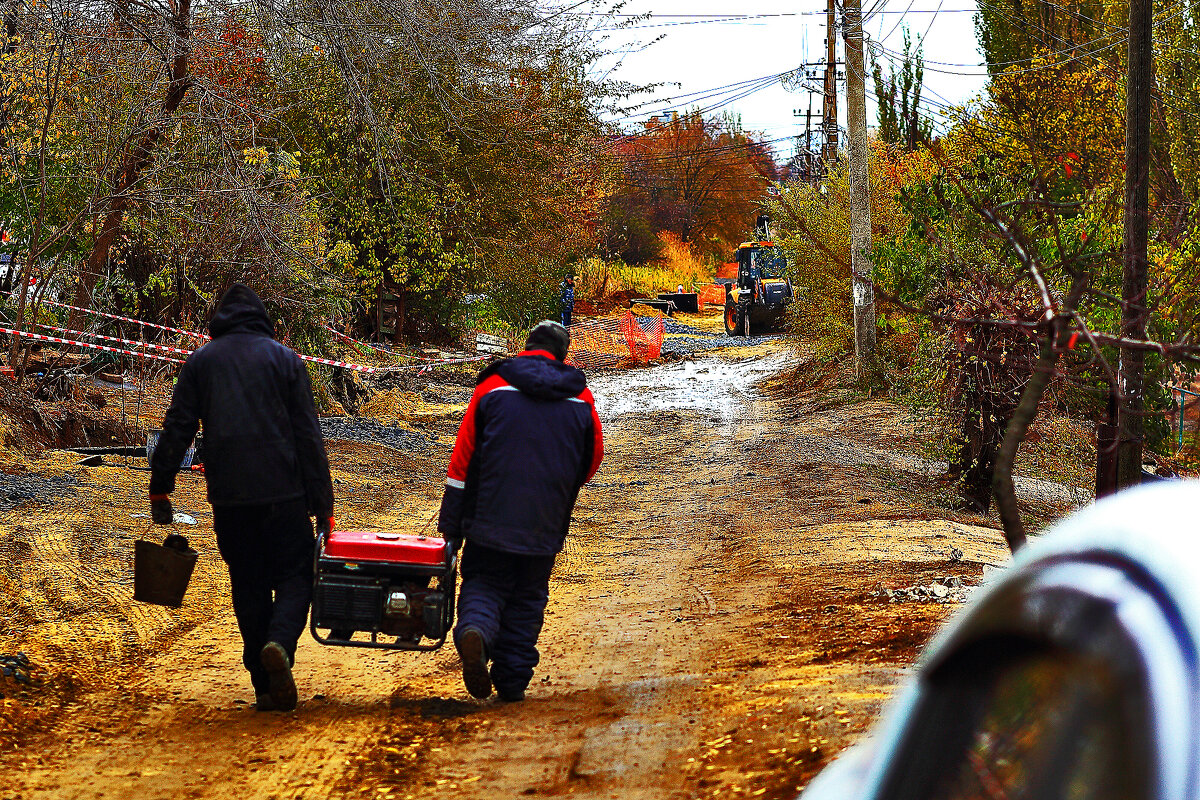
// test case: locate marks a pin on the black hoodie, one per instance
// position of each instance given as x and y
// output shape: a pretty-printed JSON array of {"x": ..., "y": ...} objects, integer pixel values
[{"x": 262, "y": 441}]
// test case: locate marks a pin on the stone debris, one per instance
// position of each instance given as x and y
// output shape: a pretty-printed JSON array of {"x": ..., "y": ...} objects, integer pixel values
[
  {"x": 949, "y": 589},
  {"x": 372, "y": 432},
  {"x": 687, "y": 339},
  {"x": 16, "y": 490},
  {"x": 15, "y": 668}
]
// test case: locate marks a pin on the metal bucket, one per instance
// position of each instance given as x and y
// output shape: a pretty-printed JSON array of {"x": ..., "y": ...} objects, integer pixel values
[
  {"x": 161, "y": 574},
  {"x": 189, "y": 456}
]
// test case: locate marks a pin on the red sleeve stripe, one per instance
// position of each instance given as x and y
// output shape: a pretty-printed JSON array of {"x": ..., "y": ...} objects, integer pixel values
[
  {"x": 464, "y": 445},
  {"x": 597, "y": 433}
]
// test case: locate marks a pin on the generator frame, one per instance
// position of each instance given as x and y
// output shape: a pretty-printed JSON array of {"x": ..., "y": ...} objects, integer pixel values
[{"x": 371, "y": 576}]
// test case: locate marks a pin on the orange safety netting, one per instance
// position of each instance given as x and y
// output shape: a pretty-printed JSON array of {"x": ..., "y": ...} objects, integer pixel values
[
  {"x": 712, "y": 295},
  {"x": 610, "y": 341}
]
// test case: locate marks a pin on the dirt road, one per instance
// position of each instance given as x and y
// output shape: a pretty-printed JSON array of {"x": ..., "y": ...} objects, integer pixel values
[{"x": 714, "y": 628}]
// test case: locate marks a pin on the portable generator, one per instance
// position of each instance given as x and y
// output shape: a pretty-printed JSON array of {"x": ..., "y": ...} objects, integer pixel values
[{"x": 397, "y": 588}]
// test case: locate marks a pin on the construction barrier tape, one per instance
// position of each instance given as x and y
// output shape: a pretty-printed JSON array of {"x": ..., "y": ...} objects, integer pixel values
[
  {"x": 89, "y": 345},
  {"x": 380, "y": 348},
  {"x": 156, "y": 326},
  {"x": 356, "y": 342},
  {"x": 85, "y": 335}
]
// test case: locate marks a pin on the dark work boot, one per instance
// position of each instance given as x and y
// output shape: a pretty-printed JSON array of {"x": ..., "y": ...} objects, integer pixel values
[
  {"x": 511, "y": 697},
  {"x": 279, "y": 669},
  {"x": 473, "y": 653}
]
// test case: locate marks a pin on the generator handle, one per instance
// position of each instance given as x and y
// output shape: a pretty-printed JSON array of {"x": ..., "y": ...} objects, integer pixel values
[{"x": 319, "y": 545}]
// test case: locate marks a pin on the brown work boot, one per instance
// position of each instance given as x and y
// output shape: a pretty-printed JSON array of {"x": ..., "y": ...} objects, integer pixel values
[
  {"x": 279, "y": 670},
  {"x": 473, "y": 653}
]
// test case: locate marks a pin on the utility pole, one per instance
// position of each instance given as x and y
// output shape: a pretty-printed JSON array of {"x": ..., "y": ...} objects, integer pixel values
[
  {"x": 808, "y": 157},
  {"x": 861, "y": 268},
  {"x": 829, "y": 110},
  {"x": 1134, "y": 309},
  {"x": 810, "y": 160}
]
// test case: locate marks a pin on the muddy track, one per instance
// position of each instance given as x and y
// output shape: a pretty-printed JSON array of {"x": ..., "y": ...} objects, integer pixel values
[{"x": 712, "y": 632}]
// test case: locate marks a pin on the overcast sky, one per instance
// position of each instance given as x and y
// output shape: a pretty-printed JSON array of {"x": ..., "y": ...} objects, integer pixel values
[{"x": 710, "y": 44}]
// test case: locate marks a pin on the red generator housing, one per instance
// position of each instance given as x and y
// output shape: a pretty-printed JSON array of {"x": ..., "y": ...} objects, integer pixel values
[{"x": 398, "y": 588}]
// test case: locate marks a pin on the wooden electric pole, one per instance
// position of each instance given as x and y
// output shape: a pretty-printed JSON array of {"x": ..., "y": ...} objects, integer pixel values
[
  {"x": 829, "y": 110},
  {"x": 1134, "y": 309},
  {"x": 861, "y": 268}
]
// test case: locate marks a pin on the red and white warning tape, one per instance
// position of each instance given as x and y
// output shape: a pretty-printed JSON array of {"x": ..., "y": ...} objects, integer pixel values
[
  {"x": 352, "y": 341},
  {"x": 85, "y": 335},
  {"x": 89, "y": 345},
  {"x": 397, "y": 368},
  {"x": 154, "y": 325},
  {"x": 144, "y": 346}
]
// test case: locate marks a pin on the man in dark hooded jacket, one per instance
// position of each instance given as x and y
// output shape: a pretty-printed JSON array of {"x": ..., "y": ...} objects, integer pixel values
[
  {"x": 529, "y": 440},
  {"x": 267, "y": 472}
]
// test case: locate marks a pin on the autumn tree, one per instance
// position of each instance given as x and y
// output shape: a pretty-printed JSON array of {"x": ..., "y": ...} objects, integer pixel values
[
  {"x": 1013, "y": 31},
  {"x": 316, "y": 150},
  {"x": 898, "y": 98},
  {"x": 813, "y": 224},
  {"x": 431, "y": 195},
  {"x": 702, "y": 179},
  {"x": 183, "y": 204}
]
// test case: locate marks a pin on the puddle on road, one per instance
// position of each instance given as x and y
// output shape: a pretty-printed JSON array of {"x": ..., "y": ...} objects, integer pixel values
[{"x": 708, "y": 385}]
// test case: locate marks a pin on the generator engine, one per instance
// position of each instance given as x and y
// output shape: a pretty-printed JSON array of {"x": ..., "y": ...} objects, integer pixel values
[{"x": 383, "y": 584}]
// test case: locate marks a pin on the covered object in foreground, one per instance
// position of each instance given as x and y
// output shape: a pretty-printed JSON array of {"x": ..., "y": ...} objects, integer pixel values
[{"x": 1071, "y": 675}]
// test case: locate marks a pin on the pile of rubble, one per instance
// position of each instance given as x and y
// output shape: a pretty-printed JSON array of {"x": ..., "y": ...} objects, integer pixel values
[
  {"x": 949, "y": 589},
  {"x": 16, "y": 668},
  {"x": 31, "y": 487},
  {"x": 372, "y": 431},
  {"x": 688, "y": 339}
]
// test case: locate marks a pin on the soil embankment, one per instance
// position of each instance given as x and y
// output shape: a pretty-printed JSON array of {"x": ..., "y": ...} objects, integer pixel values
[{"x": 716, "y": 627}]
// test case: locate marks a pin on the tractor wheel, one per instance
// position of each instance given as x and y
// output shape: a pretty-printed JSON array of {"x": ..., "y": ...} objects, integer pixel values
[{"x": 731, "y": 318}]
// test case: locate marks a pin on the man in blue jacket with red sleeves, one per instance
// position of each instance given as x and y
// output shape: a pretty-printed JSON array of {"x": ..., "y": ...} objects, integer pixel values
[{"x": 529, "y": 440}]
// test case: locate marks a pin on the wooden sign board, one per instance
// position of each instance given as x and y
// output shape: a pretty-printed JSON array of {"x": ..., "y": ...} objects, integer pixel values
[{"x": 486, "y": 343}]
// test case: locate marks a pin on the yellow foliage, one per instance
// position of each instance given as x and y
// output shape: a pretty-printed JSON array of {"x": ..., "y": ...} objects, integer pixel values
[
  {"x": 679, "y": 264},
  {"x": 815, "y": 234},
  {"x": 391, "y": 407},
  {"x": 1060, "y": 117}
]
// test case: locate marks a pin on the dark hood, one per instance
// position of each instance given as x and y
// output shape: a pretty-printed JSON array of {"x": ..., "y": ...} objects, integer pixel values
[
  {"x": 538, "y": 376},
  {"x": 240, "y": 311}
]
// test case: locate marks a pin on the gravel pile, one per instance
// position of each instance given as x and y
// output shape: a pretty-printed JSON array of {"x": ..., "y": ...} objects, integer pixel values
[
  {"x": 372, "y": 432},
  {"x": 694, "y": 344},
  {"x": 18, "y": 489},
  {"x": 950, "y": 589},
  {"x": 678, "y": 327},
  {"x": 693, "y": 340},
  {"x": 848, "y": 452}
]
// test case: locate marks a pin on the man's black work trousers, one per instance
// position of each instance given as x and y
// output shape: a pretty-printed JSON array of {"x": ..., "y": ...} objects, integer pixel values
[
  {"x": 504, "y": 597},
  {"x": 269, "y": 551}
]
